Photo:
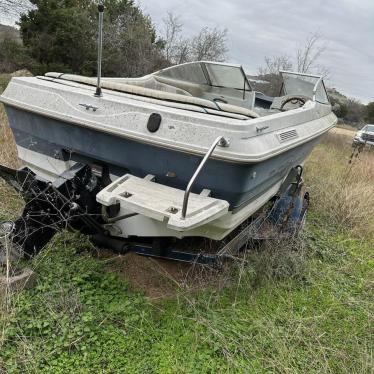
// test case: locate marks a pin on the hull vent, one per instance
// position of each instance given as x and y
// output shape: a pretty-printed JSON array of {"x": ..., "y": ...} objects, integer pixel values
[{"x": 287, "y": 135}]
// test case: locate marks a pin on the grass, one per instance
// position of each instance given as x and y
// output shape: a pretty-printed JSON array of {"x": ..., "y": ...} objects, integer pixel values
[
  {"x": 81, "y": 318},
  {"x": 343, "y": 186},
  {"x": 346, "y": 126},
  {"x": 291, "y": 309},
  {"x": 8, "y": 151},
  {"x": 10, "y": 203}
]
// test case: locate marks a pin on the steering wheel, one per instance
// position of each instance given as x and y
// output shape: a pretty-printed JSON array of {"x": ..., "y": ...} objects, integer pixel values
[{"x": 293, "y": 100}]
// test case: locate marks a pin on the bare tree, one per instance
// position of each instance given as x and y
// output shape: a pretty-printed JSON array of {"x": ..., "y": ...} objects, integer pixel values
[
  {"x": 270, "y": 81},
  {"x": 182, "y": 52},
  {"x": 209, "y": 44},
  {"x": 306, "y": 61},
  {"x": 274, "y": 64},
  {"x": 172, "y": 38},
  {"x": 308, "y": 55}
]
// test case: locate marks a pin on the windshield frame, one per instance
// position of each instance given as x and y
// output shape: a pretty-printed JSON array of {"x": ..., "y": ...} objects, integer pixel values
[
  {"x": 246, "y": 84},
  {"x": 369, "y": 128},
  {"x": 318, "y": 83}
]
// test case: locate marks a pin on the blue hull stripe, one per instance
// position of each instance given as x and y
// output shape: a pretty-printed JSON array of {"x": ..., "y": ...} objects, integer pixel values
[{"x": 236, "y": 183}]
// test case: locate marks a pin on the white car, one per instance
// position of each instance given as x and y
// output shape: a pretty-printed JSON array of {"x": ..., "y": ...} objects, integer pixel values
[{"x": 365, "y": 136}]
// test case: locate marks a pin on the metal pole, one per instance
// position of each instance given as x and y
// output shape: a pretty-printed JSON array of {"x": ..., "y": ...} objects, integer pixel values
[
  {"x": 100, "y": 8},
  {"x": 219, "y": 141},
  {"x": 6, "y": 230}
]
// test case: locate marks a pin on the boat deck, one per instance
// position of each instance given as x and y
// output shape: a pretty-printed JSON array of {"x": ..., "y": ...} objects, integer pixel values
[{"x": 160, "y": 202}]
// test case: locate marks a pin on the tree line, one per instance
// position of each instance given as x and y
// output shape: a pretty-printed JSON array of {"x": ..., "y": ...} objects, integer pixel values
[{"x": 62, "y": 35}]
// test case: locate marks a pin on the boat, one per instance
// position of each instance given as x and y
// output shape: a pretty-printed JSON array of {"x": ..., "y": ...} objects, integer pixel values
[
  {"x": 188, "y": 151},
  {"x": 147, "y": 138}
]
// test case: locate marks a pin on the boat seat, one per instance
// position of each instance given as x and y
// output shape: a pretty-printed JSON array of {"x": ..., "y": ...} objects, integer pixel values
[
  {"x": 193, "y": 89},
  {"x": 151, "y": 82},
  {"x": 162, "y": 203},
  {"x": 112, "y": 84},
  {"x": 207, "y": 92}
]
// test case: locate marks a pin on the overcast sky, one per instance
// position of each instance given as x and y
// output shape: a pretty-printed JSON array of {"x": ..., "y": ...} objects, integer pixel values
[{"x": 272, "y": 27}]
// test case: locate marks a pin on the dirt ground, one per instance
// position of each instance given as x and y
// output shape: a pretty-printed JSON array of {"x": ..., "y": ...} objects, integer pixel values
[
  {"x": 343, "y": 131},
  {"x": 159, "y": 279}
]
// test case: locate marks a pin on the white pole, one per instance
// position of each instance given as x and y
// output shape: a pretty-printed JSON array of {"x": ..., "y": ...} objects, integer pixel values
[
  {"x": 7, "y": 254},
  {"x": 6, "y": 230}
]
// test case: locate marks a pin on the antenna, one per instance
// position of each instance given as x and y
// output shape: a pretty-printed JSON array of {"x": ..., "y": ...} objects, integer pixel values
[{"x": 100, "y": 8}]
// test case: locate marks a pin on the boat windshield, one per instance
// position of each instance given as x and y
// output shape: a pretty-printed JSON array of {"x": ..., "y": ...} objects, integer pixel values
[
  {"x": 304, "y": 84},
  {"x": 213, "y": 81},
  {"x": 230, "y": 76},
  {"x": 208, "y": 73}
]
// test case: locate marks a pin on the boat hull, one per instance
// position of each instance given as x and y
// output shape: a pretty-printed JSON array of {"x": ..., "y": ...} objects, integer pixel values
[{"x": 62, "y": 143}]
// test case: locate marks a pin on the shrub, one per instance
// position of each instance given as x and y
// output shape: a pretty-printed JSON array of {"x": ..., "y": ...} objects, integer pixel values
[
  {"x": 13, "y": 56},
  {"x": 342, "y": 191},
  {"x": 64, "y": 33}
]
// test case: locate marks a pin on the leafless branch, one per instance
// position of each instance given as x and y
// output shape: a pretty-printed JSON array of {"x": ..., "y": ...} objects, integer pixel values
[
  {"x": 274, "y": 64},
  {"x": 173, "y": 43},
  {"x": 208, "y": 44},
  {"x": 308, "y": 55}
]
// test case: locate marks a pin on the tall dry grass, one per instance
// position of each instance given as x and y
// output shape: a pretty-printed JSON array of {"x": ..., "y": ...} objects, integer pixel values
[
  {"x": 8, "y": 151},
  {"x": 10, "y": 203},
  {"x": 342, "y": 186}
]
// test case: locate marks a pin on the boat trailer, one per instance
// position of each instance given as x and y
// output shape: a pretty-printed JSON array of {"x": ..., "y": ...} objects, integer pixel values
[{"x": 69, "y": 202}]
